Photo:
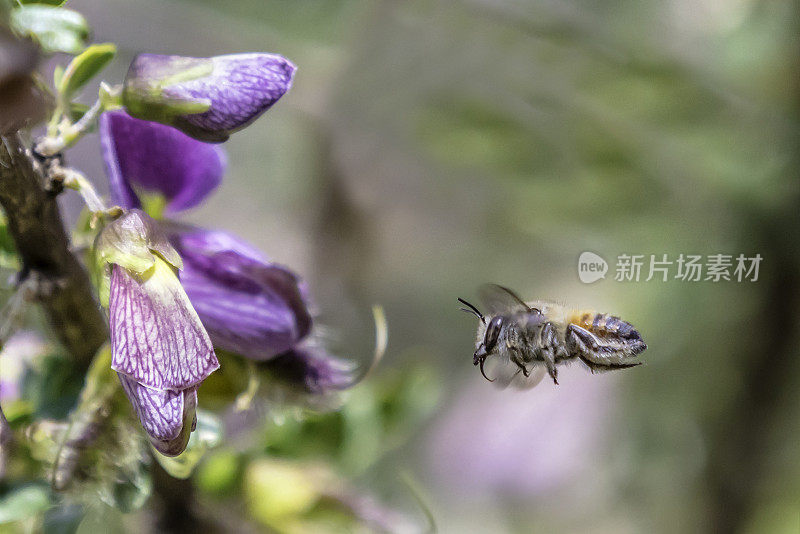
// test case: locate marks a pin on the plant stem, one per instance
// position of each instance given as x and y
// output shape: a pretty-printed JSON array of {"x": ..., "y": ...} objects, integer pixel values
[
  {"x": 60, "y": 282},
  {"x": 50, "y": 146}
]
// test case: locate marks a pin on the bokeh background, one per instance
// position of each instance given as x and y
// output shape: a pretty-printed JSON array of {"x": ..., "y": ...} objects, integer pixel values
[{"x": 429, "y": 147}]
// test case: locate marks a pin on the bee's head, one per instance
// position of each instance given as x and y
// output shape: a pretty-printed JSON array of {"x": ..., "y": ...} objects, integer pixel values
[
  {"x": 487, "y": 335},
  {"x": 491, "y": 334},
  {"x": 486, "y": 344}
]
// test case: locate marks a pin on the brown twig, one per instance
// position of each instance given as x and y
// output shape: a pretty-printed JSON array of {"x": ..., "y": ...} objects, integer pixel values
[{"x": 62, "y": 285}]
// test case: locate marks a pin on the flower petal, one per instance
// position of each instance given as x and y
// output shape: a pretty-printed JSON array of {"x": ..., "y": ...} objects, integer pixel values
[
  {"x": 248, "y": 305},
  {"x": 147, "y": 157},
  {"x": 167, "y": 416},
  {"x": 242, "y": 87},
  {"x": 208, "y": 98},
  {"x": 156, "y": 337}
]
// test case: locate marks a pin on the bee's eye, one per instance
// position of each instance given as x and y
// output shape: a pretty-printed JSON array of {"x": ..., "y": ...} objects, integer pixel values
[{"x": 492, "y": 333}]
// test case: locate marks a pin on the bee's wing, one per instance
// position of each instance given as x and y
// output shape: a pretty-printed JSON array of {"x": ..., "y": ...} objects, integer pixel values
[
  {"x": 505, "y": 374},
  {"x": 501, "y": 300}
]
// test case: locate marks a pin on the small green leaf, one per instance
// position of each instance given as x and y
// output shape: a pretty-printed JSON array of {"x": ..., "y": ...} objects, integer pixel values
[
  {"x": 24, "y": 502},
  {"x": 58, "y": 75},
  {"x": 6, "y": 242},
  {"x": 84, "y": 67},
  {"x": 54, "y": 28},
  {"x": 47, "y": 2}
]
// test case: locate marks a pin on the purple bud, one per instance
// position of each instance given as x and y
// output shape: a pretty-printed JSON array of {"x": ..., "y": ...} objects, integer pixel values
[
  {"x": 146, "y": 158},
  {"x": 247, "y": 304},
  {"x": 208, "y": 98}
]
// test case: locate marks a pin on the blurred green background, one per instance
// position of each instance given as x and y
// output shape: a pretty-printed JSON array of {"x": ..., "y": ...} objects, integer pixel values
[{"x": 429, "y": 147}]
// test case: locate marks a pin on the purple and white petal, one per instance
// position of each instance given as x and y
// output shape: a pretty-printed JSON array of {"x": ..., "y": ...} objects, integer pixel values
[
  {"x": 147, "y": 157},
  {"x": 167, "y": 416},
  {"x": 157, "y": 338}
]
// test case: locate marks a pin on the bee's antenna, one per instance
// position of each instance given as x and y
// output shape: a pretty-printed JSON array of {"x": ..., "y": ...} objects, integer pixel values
[{"x": 472, "y": 309}]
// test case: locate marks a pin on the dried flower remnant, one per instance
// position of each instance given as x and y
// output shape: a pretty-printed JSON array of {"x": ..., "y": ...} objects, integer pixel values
[
  {"x": 207, "y": 98},
  {"x": 159, "y": 346}
]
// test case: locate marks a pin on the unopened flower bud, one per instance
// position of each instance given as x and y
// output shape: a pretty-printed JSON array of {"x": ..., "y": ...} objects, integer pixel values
[{"x": 207, "y": 98}]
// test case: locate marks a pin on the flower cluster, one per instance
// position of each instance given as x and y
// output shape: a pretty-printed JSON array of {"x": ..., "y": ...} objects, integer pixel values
[{"x": 176, "y": 292}]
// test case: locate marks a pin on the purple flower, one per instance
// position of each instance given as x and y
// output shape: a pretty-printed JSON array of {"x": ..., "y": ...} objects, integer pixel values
[
  {"x": 207, "y": 98},
  {"x": 145, "y": 158},
  {"x": 248, "y": 305},
  {"x": 159, "y": 347}
]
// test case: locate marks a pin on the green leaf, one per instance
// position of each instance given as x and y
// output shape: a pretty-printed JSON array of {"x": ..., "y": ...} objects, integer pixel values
[
  {"x": 101, "y": 518},
  {"x": 53, "y": 387},
  {"x": 58, "y": 74},
  {"x": 84, "y": 67},
  {"x": 54, "y": 28},
  {"x": 47, "y": 2},
  {"x": 76, "y": 111},
  {"x": 6, "y": 242},
  {"x": 24, "y": 502}
]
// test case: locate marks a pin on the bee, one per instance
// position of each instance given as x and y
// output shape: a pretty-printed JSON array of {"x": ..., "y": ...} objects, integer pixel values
[{"x": 529, "y": 338}]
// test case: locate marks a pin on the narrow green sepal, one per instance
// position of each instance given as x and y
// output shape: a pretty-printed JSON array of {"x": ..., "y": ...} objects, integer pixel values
[{"x": 144, "y": 93}]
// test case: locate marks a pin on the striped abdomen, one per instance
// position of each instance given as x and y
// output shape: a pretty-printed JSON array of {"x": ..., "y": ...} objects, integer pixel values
[{"x": 604, "y": 325}]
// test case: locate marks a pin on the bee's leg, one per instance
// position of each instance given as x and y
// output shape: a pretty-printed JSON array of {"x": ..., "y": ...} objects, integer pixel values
[
  {"x": 516, "y": 343},
  {"x": 549, "y": 353},
  {"x": 550, "y": 364},
  {"x": 599, "y": 353},
  {"x": 516, "y": 359}
]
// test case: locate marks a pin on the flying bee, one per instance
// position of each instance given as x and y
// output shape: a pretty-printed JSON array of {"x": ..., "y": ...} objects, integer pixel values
[{"x": 529, "y": 338}]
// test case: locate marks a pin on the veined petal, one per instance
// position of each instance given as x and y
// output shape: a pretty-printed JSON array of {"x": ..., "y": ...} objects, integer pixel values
[
  {"x": 242, "y": 87},
  {"x": 167, "y": 416},
  {"x": 157, "y": 338},
  {"x": 144, "y": 157},
  {"x": 208, "y": 98},
  {"x": 248, "y": 305}
]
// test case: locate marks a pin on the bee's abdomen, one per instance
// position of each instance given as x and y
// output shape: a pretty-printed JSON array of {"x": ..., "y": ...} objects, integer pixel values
[{"x": 604, "y": 325}]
